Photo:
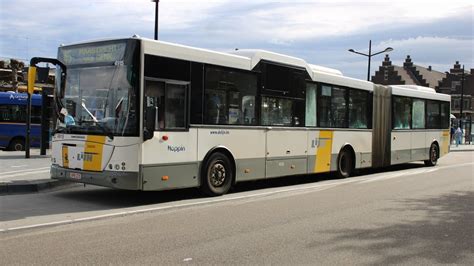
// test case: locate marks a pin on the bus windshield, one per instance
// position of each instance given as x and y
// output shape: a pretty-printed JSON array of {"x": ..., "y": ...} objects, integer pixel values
[{"x": 101, "y": 89}]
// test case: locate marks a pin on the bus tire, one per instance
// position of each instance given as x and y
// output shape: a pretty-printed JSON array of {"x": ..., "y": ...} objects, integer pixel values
[
  {"x": 433, "y": 155},
  {"x": 217, "y": 175},
  {"x": 17, "y": 144},
  {"x": 345, "y": 163}
]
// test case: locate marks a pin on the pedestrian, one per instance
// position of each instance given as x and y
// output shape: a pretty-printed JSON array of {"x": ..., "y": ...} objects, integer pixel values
[
  {"x": 451, "y": 135},
  {"x": 458, "y": 136}
]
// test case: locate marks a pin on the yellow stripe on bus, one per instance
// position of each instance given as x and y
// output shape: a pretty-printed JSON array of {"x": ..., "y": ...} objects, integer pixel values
[
  {"x": 445, "y": 139},
  {"x": 93, "y": 153},
  {"x": 64, "y": 152},
  {"x": 323, "y": 154}
]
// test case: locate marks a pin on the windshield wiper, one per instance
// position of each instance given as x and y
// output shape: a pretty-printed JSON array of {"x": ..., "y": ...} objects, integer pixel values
[
  {"x": 107, "y": 132},
  {"x": 89, "y": 112}
]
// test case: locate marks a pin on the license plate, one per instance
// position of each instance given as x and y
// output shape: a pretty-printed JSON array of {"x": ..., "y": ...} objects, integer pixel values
[{"x": 75, "y": 175}]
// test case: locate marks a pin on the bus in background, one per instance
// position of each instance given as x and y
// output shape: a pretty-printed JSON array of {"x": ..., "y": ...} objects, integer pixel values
[
  {"x": 13, "y": 120},
  {"x": 140, "y": 114}
]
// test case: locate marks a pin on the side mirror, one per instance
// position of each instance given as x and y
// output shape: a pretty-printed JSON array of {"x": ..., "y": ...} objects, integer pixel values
[{"x": 150, "y": 122}]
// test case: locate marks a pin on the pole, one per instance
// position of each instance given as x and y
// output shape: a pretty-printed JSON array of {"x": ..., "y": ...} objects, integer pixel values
[
  {"x": 29, "y": 91},
  {"x": 28, "y": 126},
  {"x": 462, "y": 93},
  {"x": 370, "y": 55},
  {"x": 156, "y": 19}
]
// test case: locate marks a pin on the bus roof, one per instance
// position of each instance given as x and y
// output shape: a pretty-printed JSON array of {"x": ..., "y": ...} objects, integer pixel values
[
  {"x": 19, "y": 98},
  {"x": 419, "y": 92},
  {"x": 247, "y": 59}
]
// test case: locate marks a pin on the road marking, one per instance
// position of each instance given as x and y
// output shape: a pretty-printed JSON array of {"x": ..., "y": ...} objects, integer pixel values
[
  {"x": 24, "y": 170},
  {"x": 317, "y": 187},
  {"x": 385, "y": 176},
  {"x": 17, "y": 166},
  {"x": 25, "y": 173}
]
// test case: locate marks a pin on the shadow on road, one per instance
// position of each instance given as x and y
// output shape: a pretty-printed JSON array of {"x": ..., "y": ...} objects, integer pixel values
[
  {"x": 93, "y": 198},
  {"x": 444, "y": 234}
]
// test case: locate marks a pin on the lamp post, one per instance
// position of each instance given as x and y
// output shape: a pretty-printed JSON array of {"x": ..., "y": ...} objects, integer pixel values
[
  {"x": 157, "y": 2},
  {"x": 388, "y": 49},
  {"x": 462, "y": 94}
]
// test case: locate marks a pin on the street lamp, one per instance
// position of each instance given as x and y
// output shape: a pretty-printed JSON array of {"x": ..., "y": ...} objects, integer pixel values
[
  {"x": 156, "y": 17},
  {"x": 388, "y": 49},
  {"x": 462, "y": 97}
]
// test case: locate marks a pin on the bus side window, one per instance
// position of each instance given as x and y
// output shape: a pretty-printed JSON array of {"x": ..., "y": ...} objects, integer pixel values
[{"x": 154, "y": 97}]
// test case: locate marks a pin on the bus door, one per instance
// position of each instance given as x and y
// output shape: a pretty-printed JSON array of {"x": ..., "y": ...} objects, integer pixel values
[
  {"x": 286, "y": 152},
  {"x": 169, "y": 158},
  {"x": 286, "y": 147}
]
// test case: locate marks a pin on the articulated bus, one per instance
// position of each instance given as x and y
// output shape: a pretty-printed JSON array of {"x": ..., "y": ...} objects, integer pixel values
[{"x": 141, "y": 114}]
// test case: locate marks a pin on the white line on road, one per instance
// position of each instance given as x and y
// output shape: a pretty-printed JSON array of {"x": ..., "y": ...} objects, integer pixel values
[
  {"x": 25, "y": 170},
  {"x": 318, "y": 187},
  {"x": 18, "y": 166},
  {"x": 17, "y": 173},
  {"x": 24, "y": 173},
  {"x": 385, "y": 176}
]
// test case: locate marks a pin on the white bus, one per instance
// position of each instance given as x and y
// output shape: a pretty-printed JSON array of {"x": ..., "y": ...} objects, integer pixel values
[{"x": 140, "y": 114}]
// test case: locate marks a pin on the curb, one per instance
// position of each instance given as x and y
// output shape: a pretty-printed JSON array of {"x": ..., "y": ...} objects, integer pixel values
[
  {"x": 460, "y": 150},
  {"x": 23, "y": 187}
]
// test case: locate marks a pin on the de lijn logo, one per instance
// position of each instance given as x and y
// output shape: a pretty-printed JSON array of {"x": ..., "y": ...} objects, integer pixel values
[{"x": 176, "y": 148}]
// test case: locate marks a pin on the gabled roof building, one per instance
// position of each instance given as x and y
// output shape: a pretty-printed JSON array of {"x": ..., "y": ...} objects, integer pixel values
[{"x": 443, "y": 82}]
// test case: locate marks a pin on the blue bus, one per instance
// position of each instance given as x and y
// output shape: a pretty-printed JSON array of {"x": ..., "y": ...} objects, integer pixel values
[{"x": 13, "y": 120}]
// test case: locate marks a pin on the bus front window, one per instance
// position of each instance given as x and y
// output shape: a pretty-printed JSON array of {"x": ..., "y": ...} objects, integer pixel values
[{"x": 100, "y": 95}]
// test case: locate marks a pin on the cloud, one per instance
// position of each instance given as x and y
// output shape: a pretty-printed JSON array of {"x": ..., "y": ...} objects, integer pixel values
[
  {"x": 318, "y": 31},
  {"x": 439, "y": 52}
]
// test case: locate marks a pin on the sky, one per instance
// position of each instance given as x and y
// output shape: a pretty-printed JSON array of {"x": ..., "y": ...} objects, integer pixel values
[{"x": 435, "y": 33}]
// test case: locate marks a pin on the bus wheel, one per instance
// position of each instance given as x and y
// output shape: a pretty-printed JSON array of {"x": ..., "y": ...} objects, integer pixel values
[
  {"x": 434, "y": 154},
  {"x": 17, "y": 144},
  {"x": 217, "y": 175},
  {"x": 345, "y": 164}
]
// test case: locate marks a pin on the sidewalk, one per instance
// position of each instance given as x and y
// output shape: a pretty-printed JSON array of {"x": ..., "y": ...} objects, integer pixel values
[
  {"x": 21, "y": 175},
  {"x": 462, "y": 147}
]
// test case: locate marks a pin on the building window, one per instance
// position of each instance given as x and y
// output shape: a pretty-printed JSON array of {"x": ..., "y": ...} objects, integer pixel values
[
  {"x": 466, "y": 104},
  {"x": 455, "y": 84}
]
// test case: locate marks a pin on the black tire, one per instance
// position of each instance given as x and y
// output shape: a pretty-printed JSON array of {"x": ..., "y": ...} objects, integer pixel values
[
  {"x": 17, "y": 144},
  {"x": 217, "y": 175},
  {"x": 433, "y": 155},
  {"x": 345, "y": 164}
]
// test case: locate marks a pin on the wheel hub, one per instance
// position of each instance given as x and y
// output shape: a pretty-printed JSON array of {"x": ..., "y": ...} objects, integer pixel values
[{"x": 217, "y": 174}]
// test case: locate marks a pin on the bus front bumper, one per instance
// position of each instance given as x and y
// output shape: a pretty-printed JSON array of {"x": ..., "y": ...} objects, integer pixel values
[{"x": 119, "y": 180}]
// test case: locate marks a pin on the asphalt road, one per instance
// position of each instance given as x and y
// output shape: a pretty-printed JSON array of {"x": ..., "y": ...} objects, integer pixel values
[{"x": 408, "y": 214}]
